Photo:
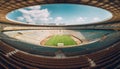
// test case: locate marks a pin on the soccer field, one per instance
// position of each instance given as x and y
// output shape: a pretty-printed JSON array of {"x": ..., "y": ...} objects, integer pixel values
[{"x": 66, "y": 39}]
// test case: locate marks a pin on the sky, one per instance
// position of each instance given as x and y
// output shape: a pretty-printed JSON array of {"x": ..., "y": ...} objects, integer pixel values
[{"x": 68, "y": 14}]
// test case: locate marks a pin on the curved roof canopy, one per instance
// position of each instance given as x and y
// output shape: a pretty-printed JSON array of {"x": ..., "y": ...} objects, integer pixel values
[
  {"x": 59, "y": 14},
  {"x": 7, "y": 6}
]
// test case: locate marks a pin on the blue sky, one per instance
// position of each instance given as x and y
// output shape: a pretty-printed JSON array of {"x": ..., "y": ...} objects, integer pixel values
[{"x": 68, "y": 14}]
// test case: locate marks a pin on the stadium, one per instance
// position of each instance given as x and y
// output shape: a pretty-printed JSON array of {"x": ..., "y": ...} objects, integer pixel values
[{"x": 59, "y": 34}]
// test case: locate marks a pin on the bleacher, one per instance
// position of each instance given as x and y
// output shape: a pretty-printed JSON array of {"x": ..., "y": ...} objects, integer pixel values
[
  {"x": 69, "y": 51},
  {"x": 94, "y": 34},
  {"x": 106, "y": 58},
  {"x": 103, "y": 53},
  {"x": 93, "y": 47}
]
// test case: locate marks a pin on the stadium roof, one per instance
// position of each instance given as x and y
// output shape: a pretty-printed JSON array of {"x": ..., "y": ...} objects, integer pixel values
[{"x": 9, "y": 5}]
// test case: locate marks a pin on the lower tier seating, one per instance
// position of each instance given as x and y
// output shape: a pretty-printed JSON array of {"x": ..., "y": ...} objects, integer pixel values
[{"x": 108, "y": 58}]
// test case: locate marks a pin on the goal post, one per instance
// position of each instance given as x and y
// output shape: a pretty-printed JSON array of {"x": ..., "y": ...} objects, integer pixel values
[{"x": 60, "y": 44}]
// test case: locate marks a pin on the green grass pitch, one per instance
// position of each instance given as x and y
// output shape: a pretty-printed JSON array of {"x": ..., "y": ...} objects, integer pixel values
[{"x": 66, "y": 39}]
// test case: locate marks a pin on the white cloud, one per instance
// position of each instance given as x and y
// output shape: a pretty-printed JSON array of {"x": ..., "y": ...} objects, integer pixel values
[
  {"x": 80, "y": 19},
  {"x": 35, "y": 15},
  {"x": 20, "y": 18},
  {"x": 96, "y": 19},
  {"x": 58, "y": 20},
  {"x": 23, "y": 11}
]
